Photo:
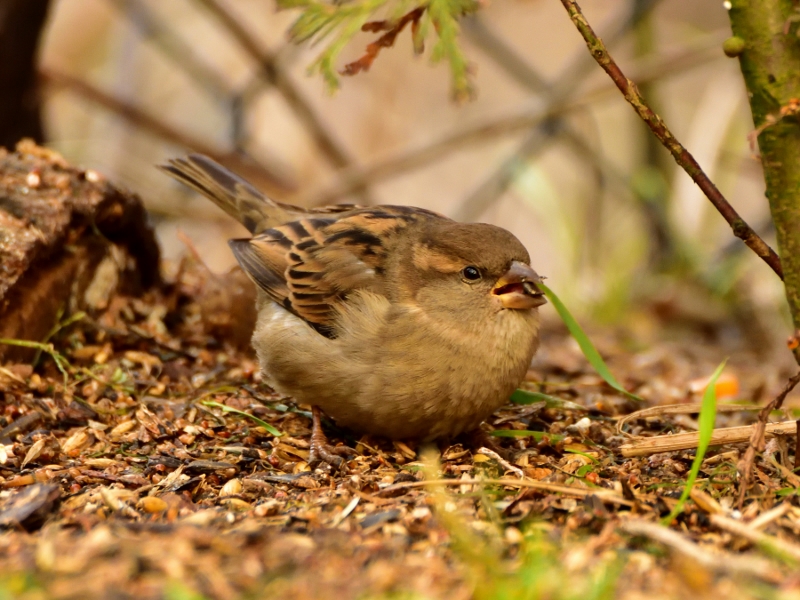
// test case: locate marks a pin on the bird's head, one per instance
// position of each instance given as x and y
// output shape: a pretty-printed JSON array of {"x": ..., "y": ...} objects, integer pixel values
[{"x": 470, "y": 266}]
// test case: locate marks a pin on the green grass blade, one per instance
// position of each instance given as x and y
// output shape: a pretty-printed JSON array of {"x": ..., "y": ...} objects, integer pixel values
[
  {"x": 589, "y": 351},
  {"x": 537, "y": 435},
  {"x": 528, "y": 397},
  {"x": 61, "y": 362},
  {"x": 229, "y": 409},
  {"x": 708, "y": 414}
]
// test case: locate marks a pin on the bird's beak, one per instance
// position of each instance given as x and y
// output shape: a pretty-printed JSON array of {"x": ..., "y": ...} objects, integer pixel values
[{"x": 517, "y": 288}]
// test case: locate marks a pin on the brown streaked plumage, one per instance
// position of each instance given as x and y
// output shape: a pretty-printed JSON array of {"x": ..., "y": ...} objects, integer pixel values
[{"x": 393, "y": 320}]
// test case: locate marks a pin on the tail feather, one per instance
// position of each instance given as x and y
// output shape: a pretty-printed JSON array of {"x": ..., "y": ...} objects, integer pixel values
[{"x": 230, "y": 192}]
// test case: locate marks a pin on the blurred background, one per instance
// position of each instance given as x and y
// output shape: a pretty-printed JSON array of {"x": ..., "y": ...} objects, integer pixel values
[{"x": 548, "y": 149}]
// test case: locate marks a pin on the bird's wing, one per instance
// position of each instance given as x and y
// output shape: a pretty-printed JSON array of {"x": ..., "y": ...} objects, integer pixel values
[{"x": 308, "y": 266}]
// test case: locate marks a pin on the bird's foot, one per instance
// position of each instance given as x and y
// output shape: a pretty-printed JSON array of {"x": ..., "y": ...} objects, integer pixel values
[
  {"x": 321, "y": 450},
  {"x": 478, "y": 438}
]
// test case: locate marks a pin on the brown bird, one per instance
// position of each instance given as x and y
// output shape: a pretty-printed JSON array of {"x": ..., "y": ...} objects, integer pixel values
[{"x": 393, "y": 320}]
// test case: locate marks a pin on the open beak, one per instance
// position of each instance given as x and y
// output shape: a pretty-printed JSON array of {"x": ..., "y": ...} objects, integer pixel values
[{"x": 517, "y": 289}]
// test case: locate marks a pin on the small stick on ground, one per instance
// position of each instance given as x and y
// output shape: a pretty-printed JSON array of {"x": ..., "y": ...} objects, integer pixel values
[
  {"x": 503, "y": 462},
  {"x": 773, "y": 514},
  {"x": 685, "y": 441},
  {"x": 555, "y": 488},
  {"x": 269, "y": 176},
  {"x": 677, "y": 409},
  {"x": 788, "y": 551},
  {"x": 745, "y": 466},
  {"x": 785, "y": 472},
  {"x": 718, "y": 561}
]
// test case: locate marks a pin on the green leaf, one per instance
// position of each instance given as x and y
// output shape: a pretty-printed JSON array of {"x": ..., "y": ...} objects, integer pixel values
[
  {"x": 537, "y": 435},
  {"x": 584, "y": 454},
  {"x": 589, "y": 351},
  {"x": 444, "y": 15},
  {"x": 340, "y": 22},
  {"x": 708, "y": 414},
  {"x": 528, "y": 397},
  {"x": 229, "y": 409},
  {"x": 177, "y": 590}
]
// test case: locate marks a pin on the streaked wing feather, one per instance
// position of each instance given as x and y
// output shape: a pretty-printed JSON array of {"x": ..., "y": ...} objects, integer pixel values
[
  {"x": 260, "y": 271},
  {"x": 310, "y": 265}
]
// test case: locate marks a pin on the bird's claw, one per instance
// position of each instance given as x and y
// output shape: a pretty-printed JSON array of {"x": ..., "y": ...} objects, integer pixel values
[
  {"x": 478, "y": 438},
  {"x": 322, "y": 451}
]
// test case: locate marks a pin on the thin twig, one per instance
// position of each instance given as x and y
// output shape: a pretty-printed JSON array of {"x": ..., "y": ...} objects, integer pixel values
[
  {"x": 502, "y": 54},
  {"x": 677, "y": 409},
  {"x": 745, "y": 466},
  {"x": 567, "y": 490},
  {"x": 560, "y": 91},
  {"x": 270, "y": 178},
  {"x": 786, "y": 473},
  {"x": 158, "y": 32},
  {"x": 723, "y": 562},
  {"x": 787, "y": 551},
  {"x": 471, "y": 208},
  {"x": 681, "y": 155},
  {"x": 503, "y": 462},
  {"x": 271, "y": 72},
  {"x": 19, "y": 426},
  {"x": 773, "y": 514}
]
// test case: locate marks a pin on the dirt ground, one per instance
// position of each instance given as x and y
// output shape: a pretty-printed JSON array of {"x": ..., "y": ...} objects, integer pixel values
[{"x": 133, "y": 479}]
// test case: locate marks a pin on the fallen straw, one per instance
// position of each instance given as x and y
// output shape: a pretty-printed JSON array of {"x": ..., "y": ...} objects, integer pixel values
[
  {"x": 685, "y": 441},
  {"x": 788, "y": 551},
  {"x": 723, "y": 562},
  {"x": 568, "y": 490}
]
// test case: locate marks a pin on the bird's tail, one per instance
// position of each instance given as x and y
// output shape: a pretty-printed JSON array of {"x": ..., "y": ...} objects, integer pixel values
[{"x": 231, "y": 193}]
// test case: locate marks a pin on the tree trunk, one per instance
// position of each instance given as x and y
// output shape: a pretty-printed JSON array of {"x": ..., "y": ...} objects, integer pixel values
[
  {"x": 770, "y": 62},
  {"x": 21, "y": 22}
]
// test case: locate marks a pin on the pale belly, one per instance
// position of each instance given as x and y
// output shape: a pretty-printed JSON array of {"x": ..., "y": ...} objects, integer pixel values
[{"x": 418, "y": 383}]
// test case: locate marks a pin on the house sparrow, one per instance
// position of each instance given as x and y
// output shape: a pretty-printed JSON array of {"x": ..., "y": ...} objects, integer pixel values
[{"x": 393, "y": 320}]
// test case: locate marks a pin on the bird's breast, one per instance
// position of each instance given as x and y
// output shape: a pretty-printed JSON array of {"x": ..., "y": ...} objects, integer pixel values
[
  {"x": 432, "y": 378},
  {"x": 396, "y": 371}
]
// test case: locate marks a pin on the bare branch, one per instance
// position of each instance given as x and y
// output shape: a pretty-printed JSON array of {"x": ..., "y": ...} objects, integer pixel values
[
  {"x": 745, "y": 466},
  {"x": 272, "y": 73},
  {"x": 271, "y": 179},
  {"x": 161, "y": 36},
  {"x": 556, "y": 93},
  {"x": 532, "y": 113},
  {"x": 682, "y": 156}
]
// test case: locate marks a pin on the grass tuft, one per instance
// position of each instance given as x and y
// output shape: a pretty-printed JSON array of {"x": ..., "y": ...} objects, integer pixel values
[
  {"x": 708, "y": 415},
  {"x": 589, "y": 351}
]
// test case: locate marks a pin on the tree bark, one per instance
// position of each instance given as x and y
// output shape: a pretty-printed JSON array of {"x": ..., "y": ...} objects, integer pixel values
[
  {"x": 770, "y": 62},
  {"x": 69, "y": 240},
  {"x": 21, "y": 22}
]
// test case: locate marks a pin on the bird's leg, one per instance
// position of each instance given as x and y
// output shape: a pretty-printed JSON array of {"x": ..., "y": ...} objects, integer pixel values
[
  {"x": 321, "y": 450},
  {"x": 478, "y": 438}
]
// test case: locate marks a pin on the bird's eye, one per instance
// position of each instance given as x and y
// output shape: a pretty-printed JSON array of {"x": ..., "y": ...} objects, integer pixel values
[{"x": 471, "y": 273}]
